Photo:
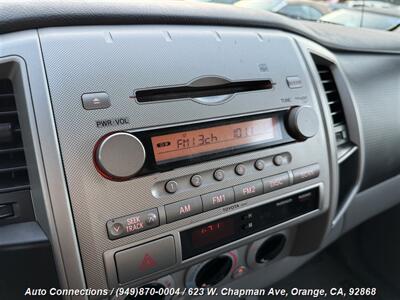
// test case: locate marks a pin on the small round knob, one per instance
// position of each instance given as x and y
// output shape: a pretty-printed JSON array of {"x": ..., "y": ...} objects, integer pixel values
[
  {"x": 119, "y": 156},
  {"x": 302, "y": 122}
]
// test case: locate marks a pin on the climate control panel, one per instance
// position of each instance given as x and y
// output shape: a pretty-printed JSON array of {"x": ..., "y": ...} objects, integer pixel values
[{"x": 221, "y": 269}]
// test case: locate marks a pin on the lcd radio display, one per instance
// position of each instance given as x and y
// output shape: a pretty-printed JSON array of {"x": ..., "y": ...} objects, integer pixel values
[{"x": 211, "y": 140}]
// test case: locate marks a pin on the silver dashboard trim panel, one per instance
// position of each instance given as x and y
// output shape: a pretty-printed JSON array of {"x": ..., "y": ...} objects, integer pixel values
[
  {"x": 66, "y": 59},
  {"x": 49, "y": 191}
]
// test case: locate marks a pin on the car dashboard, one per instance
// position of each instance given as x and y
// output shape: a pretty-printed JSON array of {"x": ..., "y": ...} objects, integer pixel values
[{"x": 171, "y": 147}]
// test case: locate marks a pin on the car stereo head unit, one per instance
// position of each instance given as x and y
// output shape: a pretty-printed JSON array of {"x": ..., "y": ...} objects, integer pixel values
[{"x": 204, "y": 143}]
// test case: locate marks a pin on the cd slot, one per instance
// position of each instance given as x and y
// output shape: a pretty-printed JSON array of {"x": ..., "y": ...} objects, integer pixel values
[{"x": 190, "y": 91}]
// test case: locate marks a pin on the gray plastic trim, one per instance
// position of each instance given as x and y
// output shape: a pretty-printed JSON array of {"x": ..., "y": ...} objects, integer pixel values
[
  {"x": 306, "y": 47},
  {"x": 21, "y": 234},
  {"x": 351, "y": 111},
  {"x": 355, "y": 131},
  {"x": 43, "y": 158},
  {"x": 348, "y": 153}
]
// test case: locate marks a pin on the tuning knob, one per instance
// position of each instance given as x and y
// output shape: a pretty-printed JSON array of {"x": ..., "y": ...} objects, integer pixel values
[
  {"x": 302, "y": 122},
  {"x": 119, "y": 156}
]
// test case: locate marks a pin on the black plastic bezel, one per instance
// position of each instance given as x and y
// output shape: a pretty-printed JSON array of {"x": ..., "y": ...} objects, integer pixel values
[
  {"x": 151, "y": 166},
  {"x": 262, "y": 217}
]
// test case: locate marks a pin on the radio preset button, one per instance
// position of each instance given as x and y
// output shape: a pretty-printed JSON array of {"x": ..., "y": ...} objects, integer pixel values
[
  {"x": 145, "y": 259},
  {"x": 218, "y": 199},
  {"x": 305, "y": 173},
  {"x": 183, "y": 209},
  {"x": 219, "y": 175},
  {"x": 248, "y": 190},
  {"x": 259, "y": 164},
  {"x": 196, "y": 180},
  {"x": 275, "y": 182},
  {"x": 240, "y": 169},
  {"x": 281, "y": 159},
  {"x": 171, "y": 186},
  {"x": 278, "y": 160}
]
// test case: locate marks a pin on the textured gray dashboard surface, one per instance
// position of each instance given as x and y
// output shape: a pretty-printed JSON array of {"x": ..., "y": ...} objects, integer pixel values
[
  {"x": 375, "y": 84},
  {"x": 372, "y": 202},
  {"x": 120, "y": 59},
  {"x": 27, "y": 14}
]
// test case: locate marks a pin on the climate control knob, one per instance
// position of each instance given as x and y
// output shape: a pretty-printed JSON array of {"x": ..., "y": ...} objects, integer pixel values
[
  {"x": 119, "y": 156},
  {"x": 212, "y": 271},
  {"x": 302, "y": 122}
]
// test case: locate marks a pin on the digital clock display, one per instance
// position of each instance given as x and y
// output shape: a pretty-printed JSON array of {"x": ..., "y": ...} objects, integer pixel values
[
  {"x": 213, "y": 232},
  {"x": 197, "y": 142}
]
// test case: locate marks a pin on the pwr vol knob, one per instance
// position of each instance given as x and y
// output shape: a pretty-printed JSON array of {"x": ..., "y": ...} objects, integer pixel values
[{"x": 119, "y": 156}]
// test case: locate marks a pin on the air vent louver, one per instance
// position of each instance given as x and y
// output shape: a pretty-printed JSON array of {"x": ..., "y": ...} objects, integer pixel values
[
  {"x": 335, "y": 104},
  {"x": 13, "y": 170}
]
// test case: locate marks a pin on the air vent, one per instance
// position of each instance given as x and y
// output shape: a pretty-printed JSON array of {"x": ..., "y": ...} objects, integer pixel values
[
  {"x": 13, "y": 170},
  {"x": 335, "y": 104}
]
